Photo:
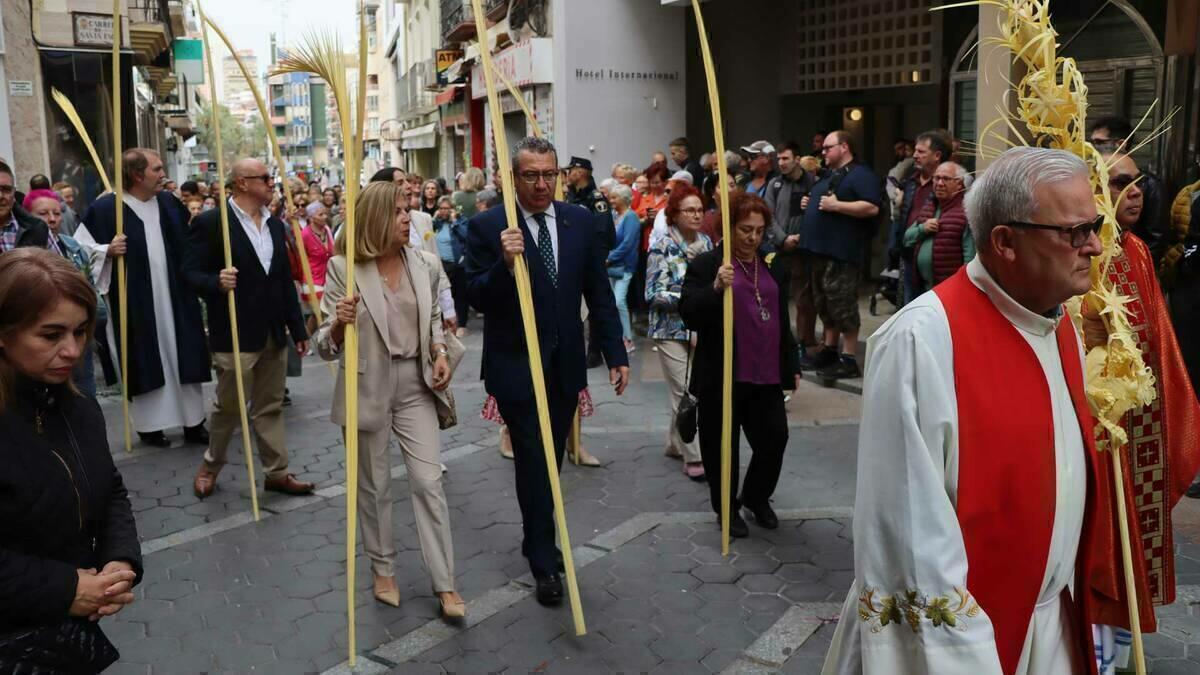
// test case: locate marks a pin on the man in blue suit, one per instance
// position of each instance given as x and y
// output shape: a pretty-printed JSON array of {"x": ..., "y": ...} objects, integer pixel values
[{"x": 565, "y": 269}]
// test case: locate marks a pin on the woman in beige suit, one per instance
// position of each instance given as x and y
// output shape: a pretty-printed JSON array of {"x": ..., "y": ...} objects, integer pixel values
[{"x": 404, "y": 365}]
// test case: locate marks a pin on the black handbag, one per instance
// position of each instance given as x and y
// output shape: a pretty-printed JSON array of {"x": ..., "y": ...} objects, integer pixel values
[
  {"x": 685, "y": 414},
  {"x": 71, "y": 646}
]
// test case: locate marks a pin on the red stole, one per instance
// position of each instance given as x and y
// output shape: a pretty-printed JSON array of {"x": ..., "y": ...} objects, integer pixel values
[
  {"x": 1007, "y": 467},
  {"x": 1164, "y": 449}
]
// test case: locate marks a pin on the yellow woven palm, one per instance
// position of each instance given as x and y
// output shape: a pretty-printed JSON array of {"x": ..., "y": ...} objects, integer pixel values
[{"x": 1051, "y": 102}]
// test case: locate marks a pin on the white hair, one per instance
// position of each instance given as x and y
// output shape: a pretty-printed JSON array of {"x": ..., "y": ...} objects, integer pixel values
[
  {"x": 961, "y": 173},
  {"x": 1004, "y": 192},
  {"x": 623, "y": 192},
  {"x": 607, "y": 183},
  {"x": 684, "y": 176}
]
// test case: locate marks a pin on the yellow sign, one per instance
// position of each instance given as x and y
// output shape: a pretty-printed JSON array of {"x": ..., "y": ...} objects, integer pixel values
[{"x": 443, "y": 59}]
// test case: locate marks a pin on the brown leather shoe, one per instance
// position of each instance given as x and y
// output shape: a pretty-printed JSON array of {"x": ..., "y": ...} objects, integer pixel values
[
  {"x": 288, "y": 485},
  {"x": 205, "y": 483}
]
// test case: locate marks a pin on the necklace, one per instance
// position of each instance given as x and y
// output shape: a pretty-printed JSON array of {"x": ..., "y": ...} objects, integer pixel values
[
  {"x": 763, "y": 312},
  {"x": 399, "y": 269}
]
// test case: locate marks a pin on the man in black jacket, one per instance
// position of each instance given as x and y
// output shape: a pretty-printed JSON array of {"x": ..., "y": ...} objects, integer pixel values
[
  {"x": 267, "y": 305},
  {"x": 582, "y": 191},
  {"x": 19, "y": 228},
  {"x": 681, "y": 154}
]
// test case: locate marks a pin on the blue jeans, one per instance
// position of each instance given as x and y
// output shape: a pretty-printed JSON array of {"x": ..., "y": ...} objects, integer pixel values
[{"x": 620, "y": 289}]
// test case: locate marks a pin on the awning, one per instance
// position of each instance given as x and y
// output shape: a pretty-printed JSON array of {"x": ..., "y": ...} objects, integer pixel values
[
  {"x": 449, "y": 95},
  {"x": 423, "y": 137}
]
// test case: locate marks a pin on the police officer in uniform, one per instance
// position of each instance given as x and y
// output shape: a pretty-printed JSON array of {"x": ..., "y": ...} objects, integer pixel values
[{"x": 582, "y": 191}]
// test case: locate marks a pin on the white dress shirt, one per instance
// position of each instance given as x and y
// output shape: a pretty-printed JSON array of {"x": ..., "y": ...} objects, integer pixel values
[
  {"x": 260, "y": 235},
  {"x": 534, "y": 228}
]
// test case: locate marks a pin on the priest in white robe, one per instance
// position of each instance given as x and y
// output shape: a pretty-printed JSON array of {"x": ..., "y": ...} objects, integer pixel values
[
  {"x": 976, "y": 512},
  {"x": 168, "y": 354}
]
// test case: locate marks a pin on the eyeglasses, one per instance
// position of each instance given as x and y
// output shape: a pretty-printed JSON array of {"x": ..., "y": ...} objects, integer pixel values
[
  {"x": 532, "y": 177},
  {"x": 266, "y": 178},
  {"x": 1079, "y": 234},
  {"x": 945, "y": 179},
  {"x": 827, "y": 148},
  {"x": 1122, "y": 181},
  {"x": 1106, "y": 144}
]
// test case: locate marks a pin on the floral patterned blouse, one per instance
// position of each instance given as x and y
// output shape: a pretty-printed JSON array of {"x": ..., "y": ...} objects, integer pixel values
[{"x": 665, "y": 269}]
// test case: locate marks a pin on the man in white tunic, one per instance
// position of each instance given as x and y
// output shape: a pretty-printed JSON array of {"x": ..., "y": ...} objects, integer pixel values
[
  {"x": 168, "y": 357},
  {"x": 975, "y": 457}
]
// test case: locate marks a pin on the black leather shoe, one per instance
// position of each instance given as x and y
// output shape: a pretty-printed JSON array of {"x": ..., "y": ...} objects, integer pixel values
[
  {"x": 155, "y": 439},
  {"x": 1193, "y": 490},
  {"x": 846, "y": 367},
  {"x": 825, "y": 357},
  {"x": 197, "y": 435},
  {"x": 764, "y": 515},
  {"x": 549, "y": 590},
  {"x": 737, "y": 527}
]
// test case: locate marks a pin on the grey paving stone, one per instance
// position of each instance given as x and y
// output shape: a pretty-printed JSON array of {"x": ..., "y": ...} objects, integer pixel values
[
  {"x": 717, "y": 574},
  {"x": 760, "y": 583},
  {"x": 256, "y": 583}
]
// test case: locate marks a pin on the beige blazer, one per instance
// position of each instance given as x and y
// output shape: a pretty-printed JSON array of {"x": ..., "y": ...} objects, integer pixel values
[
  {"x": 421, "y": 234},
  {"x": 374, "y": 354}
]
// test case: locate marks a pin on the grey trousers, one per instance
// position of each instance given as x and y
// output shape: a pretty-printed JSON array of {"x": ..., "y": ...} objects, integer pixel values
[
  {"x": 415, "y": 423},
  {"x": 674, "y": 356}
]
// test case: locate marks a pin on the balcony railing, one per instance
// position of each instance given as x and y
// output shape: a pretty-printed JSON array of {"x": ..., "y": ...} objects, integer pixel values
[
  {"x": 150, "y": 30},
  {"x": 412, "y": 93},
  {"x": 458, "y": 22},
  {"x": 496, "y": 10}
]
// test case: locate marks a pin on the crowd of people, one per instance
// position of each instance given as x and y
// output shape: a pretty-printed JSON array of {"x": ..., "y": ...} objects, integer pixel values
[{"x": 638, "y": 255}]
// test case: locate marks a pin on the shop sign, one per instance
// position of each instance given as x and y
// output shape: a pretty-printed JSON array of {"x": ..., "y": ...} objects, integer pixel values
[
  {"x": 525, "y": 64},
  {"x": 92, "y": 30},
  {"x": 22, "y": 88},
  {"x": 443, "y": 59}
]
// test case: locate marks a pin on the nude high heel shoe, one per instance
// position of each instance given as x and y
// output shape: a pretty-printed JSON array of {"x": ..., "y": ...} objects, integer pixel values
[
  {"x": 453, "y": 606},
  {"x": 386, "y": 591}
]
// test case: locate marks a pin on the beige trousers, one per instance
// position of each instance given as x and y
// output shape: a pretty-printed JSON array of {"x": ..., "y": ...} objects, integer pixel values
[
  {"x": 263, "y": 374},
  {"x": 415, "y": 423},
  {"x": 674, "y": 354}
]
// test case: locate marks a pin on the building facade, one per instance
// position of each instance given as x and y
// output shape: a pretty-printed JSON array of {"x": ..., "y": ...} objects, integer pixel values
[
  {"x": 605, "y": 81},
  {"x": 66, "y": 45}
]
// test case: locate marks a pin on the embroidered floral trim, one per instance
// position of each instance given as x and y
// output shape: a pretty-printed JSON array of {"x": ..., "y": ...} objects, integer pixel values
[{"x": 913, "y": 607}]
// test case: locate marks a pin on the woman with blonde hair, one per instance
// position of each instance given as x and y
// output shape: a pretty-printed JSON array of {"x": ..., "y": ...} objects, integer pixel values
[
  {"x": 405, "y": 364},
  {"x": 472, "y": 182}
]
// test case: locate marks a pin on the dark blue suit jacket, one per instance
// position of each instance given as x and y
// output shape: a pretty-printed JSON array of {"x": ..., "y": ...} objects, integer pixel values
[{"x": 492, "y": 289}]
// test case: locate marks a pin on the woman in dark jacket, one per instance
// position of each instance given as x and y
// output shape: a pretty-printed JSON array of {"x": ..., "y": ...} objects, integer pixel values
[
  {"x": 69, "y": 551},
  {"x": 764, "y": 360}
]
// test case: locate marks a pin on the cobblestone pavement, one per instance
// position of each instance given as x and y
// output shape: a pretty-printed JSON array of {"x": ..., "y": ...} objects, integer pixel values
[{"x": 225, "y": 594}]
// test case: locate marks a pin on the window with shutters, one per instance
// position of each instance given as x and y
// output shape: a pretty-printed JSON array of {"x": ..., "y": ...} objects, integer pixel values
[{"x": 1122, "y": 66}]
